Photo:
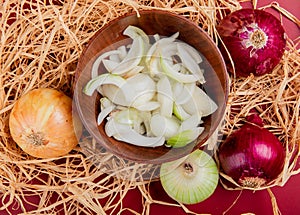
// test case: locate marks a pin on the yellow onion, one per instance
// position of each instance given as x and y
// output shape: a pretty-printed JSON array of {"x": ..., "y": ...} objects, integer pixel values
[{"x": 42, "y": 124}]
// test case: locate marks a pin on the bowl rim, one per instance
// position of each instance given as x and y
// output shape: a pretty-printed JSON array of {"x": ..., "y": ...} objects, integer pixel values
[{"x": 179, "y": 17}]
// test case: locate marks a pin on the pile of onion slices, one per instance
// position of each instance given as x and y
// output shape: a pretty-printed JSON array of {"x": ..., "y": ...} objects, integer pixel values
[{"x": 151, "y": 91}]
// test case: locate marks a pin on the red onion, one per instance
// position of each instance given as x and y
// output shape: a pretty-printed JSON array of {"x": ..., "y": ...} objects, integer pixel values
[
  {"x": 252, "y": 156},
  {"x": 255, "y": 40}
]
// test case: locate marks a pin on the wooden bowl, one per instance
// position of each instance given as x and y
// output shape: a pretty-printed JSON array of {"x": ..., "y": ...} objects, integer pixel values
[{"x": 152, "y": 22}]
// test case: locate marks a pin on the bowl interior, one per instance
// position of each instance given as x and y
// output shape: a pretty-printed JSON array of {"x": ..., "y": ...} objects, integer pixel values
[{"x": 165, "y": 24}]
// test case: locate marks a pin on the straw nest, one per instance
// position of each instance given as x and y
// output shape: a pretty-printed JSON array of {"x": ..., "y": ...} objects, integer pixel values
[{"x": 41, "y": 42}]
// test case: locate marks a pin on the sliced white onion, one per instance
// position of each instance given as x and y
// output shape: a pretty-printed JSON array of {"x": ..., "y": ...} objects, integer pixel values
[
  {"x": 190, "y": 123},
  {"x": 175, "y": 35},
  {"x": 185, "y": 137},
  {"x": 153, "y": 55},
  {"x": 122, "y": 52},
  {"x": 106, "y": 78},
  {"x": 98, "y": 61},
  {"x": 128, "y": 116},
  {"x": 169, "y": 51},
  {"x": 156, "y": 37},
  {"x": 177, "y": 88},
  {"x": 132, "y": 58},
  {"x": 140, "y": 90},
  {"x": 134, "y": 32},
  {"x": 149, "y": 106},
  {"x": 146, "y": 116},
  {"x": 154, "y": 67},
  {"x": 200, "y": 103},
  {"x": 180, "y": 77},
  {"x": 156, "y": 49},
  {"x": 105, "y": 102},
  {"x": 126, "y": 134},
  {"x": 141, "y": 82},
  {"x": 106, "y": 107},
  {"x": 115, "y": 94},
  {"x": 192, "y": 52},
  {"x": 104, "y": 113},
  {"x": 164, "y": 126},
  {"x": 144, "y": 88},
  {"x": 189, "y": 62},
  {"x": 115, "y": 58},
  {"x": 183, "y": 92},
  {"x": 133, "y": 71},
  {"x": 110, "y": 65},
  {"x": 179, "y": 112},
  {"x": 165, "y": 96}
]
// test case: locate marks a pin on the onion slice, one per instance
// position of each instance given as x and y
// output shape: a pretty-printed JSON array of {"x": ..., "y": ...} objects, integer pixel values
[
  {"x": 200, "y": 103},
  {"x": 165, "y": 96},
  {"x": 183, "y": 92},
  {"x": 134, "y": 32},
  {"x": 98, "y": 61},
  {"x": 192, "y": 52},
  {"x": 179, "y": 112},
  {"x": 132, "y": 59},
  {"x": 149, "y": 106},
  {"x": 164, "y": 126},
  {"x": 126, "y": 134},
  {"x": 190, "y": 63},
  {"x": 176, "y": 75},
  {"x": 185, "y": 137},
  {"x": 106, "y": 78},
  {"x": 106, "y": 108},
  {"x": 143, "y": 87},
  {"x": 190, "y": 123}
]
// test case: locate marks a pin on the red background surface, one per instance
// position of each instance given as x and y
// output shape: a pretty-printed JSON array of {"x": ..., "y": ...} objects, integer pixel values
[{"x": 258, "y": 202}]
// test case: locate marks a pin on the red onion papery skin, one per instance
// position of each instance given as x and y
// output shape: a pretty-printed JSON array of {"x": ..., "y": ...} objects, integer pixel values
[
  {"x": 258, "y": 56},
  {"x": 252, "y": 156}
]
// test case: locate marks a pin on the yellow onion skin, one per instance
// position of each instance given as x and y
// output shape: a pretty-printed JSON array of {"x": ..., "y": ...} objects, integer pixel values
[
  {"x": 254, "y": 38},
  {"x": 42, "y": 124},
  {"x": 252, "y": 156}
]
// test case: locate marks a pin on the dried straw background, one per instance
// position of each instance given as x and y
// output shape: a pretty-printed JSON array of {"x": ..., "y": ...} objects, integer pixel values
[{"x": 40, "y": 45}]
